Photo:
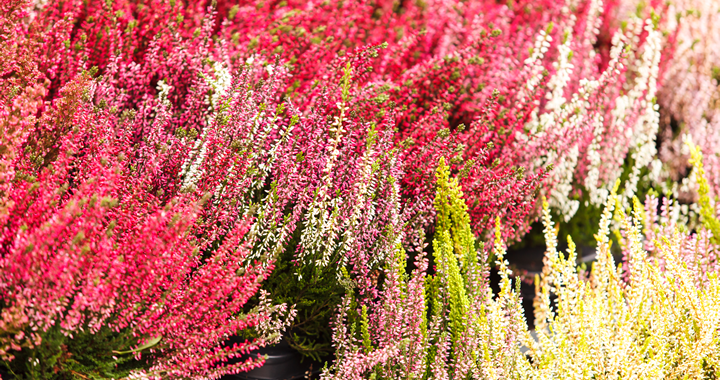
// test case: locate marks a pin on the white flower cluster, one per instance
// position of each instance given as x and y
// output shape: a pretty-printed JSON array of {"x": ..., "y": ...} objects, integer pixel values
[
  {"x": 565, "y": 164},
  {"x": 319, "y": 237},
  {"x": 365, "y": 186},
  {"x": 597, "y": 192},
  {"x": 589, "y": 36},
  {"x": 633, "y": 120},
  {"x": 191, "y": 167},
  {"x": 560, "y": 118},
  {"x": 633, "y": 124},
  {"x": 220, "y": 84},
  {"x": 164, "y": 106},
  {"x": 648, "y": 123},
  {"x": 163, "y": 91},
  {"x": 274, "y": 318},
  {"x": 563, "y": 175},
  {"x": 191, "y": 172},
  {"x": 563, "y": 68},
  {"x": 534, "y": 65}
]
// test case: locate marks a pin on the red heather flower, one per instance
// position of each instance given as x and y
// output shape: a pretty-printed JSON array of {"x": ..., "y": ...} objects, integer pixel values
[
  {"x": 142, "y": 42},
  {"x": 412, "y": 80},
  {"x": 129, "y": 223},
  {"x": 92, "y": 247},
  {"x": 191, "y": 109},
  {"x": 185, "y": 131},
  {"x": 443, "y": 326},
  {"x": 21, "y": 91},
  {"x": 541, "y": 95}
]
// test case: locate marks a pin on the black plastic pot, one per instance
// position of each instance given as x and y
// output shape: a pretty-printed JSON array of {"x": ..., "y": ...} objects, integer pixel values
[{"x": 282, "y": 363}]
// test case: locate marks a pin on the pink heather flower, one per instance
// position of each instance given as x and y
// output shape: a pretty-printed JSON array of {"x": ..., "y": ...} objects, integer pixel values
[
  {"x": 98, "y": 244},
  {"x": 157, "y": 156}
]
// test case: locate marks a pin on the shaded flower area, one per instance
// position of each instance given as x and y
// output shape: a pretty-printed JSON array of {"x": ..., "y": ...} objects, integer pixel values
[{"x": 182, "y": 183}]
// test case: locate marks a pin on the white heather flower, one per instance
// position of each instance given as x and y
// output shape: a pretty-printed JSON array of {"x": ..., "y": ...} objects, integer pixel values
[
  {"x": 562, "y": 178},
  {"x": 648, "y": 123},
  {"x": 220, "y": 84},
  {"x": 163, "y": 91},
  {"x": 191, "y": 167}
]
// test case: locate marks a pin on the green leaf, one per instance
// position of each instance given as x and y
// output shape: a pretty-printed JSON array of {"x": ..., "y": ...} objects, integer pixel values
[{"x": 150, "y": 343}]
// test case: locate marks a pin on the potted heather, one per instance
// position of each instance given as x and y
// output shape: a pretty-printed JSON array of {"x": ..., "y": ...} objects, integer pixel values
[
  {"x": 113, "y": 269},
  {"x": 182, "y": 184},
  {"x": 128, "y": 248},
  {"x": 670, "y": 275}
]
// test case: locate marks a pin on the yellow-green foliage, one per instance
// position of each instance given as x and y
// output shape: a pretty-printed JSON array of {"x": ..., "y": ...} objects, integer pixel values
[
  {"x": 453, "y": 239},
  {"x": 707, "y": 211},
  {"x": 653, "y": 317},
  {"x": 660, "y": 323},
  {"x": 483, "y": 330},
  {"x": 364, "y": 329}
]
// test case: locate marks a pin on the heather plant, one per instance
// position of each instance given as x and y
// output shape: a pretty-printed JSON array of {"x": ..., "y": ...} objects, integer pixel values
[
  {"x": 541, "y": 110},
  {"x": 415, "y": 104},
  {"x": 653, "y": 316},
  {"x": 242, "y": 143},
  {"x": 344, "y": 195},
  {"x": 22, "y": 93},
  {"x": 515, "y": 88},
  {"x": 434, "y": 326},
  {"x": 477, "y": 70},
  {"x": 690, "y": 99},
  {"x": 200, "y": 129},
  {"x": 558, "y": 84},
  {"x": 138, "y": 241},
  {"x": 658, "y": 322},
  {"x": 107, "y": 269}
]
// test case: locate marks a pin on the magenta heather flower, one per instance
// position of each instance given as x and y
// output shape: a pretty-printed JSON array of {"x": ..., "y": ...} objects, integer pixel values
[
  {"x": 107, "y": 238},
  {"x": 482, "y": 72},
  {"x": 434, "y": 326},
  {"x": 159, "y": 159},
  {"x": 204, "y": 167}
]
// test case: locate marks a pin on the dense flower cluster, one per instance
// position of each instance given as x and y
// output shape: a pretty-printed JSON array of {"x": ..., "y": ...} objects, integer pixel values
[
  {"x": 691, "y": 98},
  {"x": 169, "y": 168},
  {"x": 658, "y": 323},
  {"x": 525, "y": 78},
  {"x": 435, "y": 326},
  {"x": 655, "y": 316},
  {"x": 118, "y": 222}
]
